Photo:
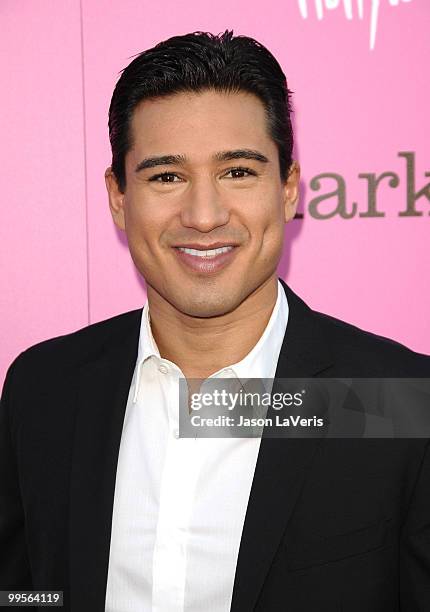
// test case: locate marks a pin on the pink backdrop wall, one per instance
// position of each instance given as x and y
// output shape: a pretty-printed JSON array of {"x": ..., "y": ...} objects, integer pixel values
[{"x": 359, "y": 70}]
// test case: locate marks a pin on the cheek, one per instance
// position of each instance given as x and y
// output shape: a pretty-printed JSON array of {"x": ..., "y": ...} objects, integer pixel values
[
  {"x": 267, "y": 222},
  {"x": 144, "y": 222},
  {"x": 271, "y": 236}
]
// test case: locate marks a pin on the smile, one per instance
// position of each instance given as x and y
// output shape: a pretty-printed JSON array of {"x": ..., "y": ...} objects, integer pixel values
[
  {"x": 208, "y": 253},
  {"x": 205, "y": 261}
]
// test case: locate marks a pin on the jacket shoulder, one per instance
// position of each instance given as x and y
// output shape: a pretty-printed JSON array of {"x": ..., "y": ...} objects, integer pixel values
[
  {"x": 80, "y": 344},
  {"x": 379, "y": 354}
]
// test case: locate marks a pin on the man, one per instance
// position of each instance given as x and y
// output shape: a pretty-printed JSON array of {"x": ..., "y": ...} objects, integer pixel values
[{"x": 100, "y": 496}]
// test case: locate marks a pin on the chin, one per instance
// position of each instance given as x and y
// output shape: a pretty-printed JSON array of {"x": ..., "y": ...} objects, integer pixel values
[{"x": 206, "y": 306}]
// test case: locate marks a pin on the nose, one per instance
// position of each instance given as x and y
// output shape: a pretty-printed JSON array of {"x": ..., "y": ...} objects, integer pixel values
[{"x": 205, "y": 208}]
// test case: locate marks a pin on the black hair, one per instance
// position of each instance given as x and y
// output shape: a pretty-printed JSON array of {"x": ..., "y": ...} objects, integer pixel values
[{"x": 196, "y": 62}]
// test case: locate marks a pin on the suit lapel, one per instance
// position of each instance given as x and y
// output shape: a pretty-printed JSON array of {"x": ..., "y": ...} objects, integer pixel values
[
  {"x": 103, "y": 386},
  {"x": 282, "y": 463}
]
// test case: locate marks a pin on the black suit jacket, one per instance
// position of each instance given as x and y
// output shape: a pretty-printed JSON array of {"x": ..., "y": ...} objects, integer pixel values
[{"x": 331, "y": 525}]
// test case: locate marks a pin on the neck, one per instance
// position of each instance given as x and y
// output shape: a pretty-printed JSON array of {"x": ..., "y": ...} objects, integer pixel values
[{"x": 202, "y": 346}]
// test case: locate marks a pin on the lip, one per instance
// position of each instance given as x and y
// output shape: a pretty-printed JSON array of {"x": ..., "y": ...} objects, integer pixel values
[
  {"x": 204, "y": 247},
  {"x": 205, "y": 265}
]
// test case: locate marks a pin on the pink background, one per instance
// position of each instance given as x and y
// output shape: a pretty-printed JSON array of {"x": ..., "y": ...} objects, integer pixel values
[{"x": 64, "y": 265}]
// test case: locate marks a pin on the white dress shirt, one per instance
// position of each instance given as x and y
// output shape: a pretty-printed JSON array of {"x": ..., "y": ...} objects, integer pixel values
[{"x": 180, "y": 503}]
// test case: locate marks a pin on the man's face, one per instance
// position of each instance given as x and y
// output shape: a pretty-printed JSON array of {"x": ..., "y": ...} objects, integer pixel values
[{"x": 173, "y": 210}]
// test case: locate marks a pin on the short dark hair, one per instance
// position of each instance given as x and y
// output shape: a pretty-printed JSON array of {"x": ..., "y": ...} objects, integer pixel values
[{"x": 196, "y": 62}]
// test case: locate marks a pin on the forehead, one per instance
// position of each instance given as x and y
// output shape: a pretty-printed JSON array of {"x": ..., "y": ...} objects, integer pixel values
[{"x": 201, "y": 122}]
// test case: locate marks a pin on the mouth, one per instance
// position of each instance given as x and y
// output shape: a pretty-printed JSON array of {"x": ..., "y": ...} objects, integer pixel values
[
  {"x": 206, "y": 252},
  {"x": 206, "y": 260}
]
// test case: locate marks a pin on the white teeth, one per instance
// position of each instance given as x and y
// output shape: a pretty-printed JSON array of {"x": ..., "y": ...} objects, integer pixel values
[{"x": 208, "y": 253}]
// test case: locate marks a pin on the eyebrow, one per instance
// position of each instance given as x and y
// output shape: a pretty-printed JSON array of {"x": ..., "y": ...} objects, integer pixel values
[{"x": 180, "y": 160}]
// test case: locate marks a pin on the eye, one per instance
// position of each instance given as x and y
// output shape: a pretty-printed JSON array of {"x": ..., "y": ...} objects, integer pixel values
[
  {"x": 169, "y": 177},
  {"x": 164, "y": 175},
  {"x": 239, "y": 170}
]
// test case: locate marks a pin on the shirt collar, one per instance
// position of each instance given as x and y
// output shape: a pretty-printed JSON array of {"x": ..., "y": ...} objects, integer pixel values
[
  {"x": 262, "y": 359},
  {"x": 260, "y": 362}
]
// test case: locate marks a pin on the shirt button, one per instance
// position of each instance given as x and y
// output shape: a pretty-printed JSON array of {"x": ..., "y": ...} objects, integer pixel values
[
  {"x": 176, "y": 433},
  {"x": 163, "y": 368}
]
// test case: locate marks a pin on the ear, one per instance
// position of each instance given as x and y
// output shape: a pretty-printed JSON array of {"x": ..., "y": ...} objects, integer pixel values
[
  {"x": 291, "y": 191},
  {"x": 116, "y": 199}
]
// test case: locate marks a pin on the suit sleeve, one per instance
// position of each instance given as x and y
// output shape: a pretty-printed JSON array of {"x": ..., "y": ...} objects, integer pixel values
[
  {"x": 415, "y": 545},
  {"x": 15, "y": 573}
]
